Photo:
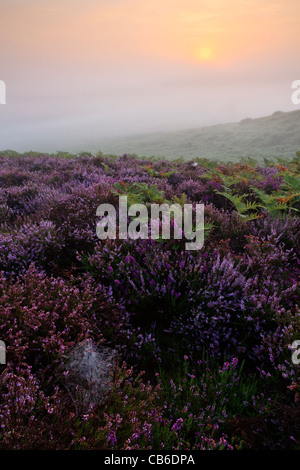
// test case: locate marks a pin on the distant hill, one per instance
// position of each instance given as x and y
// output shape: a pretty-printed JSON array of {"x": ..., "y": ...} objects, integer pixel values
[{"x": 277, "y": 135}]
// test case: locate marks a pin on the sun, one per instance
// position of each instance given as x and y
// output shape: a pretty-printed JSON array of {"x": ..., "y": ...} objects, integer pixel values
[{"x": 204, "y": 54}]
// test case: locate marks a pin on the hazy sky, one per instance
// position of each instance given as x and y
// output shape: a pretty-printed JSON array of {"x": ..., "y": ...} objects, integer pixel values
[{"x": 80, "y": 70}]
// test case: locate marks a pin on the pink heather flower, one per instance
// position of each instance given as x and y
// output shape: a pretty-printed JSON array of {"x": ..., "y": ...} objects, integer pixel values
[{"x": 176, "y": 426}]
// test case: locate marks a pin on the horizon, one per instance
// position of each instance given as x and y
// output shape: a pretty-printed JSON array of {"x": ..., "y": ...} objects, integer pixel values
[{"x": 80, "y": 71}]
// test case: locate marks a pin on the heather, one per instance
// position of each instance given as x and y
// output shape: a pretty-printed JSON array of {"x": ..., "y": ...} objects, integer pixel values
[{"x": 202, "y": 338}]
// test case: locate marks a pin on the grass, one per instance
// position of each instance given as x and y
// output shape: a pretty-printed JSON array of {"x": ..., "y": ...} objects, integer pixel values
[{"x": 277, "y": 135}]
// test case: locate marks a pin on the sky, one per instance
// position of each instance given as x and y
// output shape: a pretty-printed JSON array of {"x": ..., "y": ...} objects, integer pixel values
[{"x": 78, "y": 71}]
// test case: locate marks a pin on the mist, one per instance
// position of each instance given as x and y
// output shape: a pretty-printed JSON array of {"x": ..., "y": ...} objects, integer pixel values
[{"x": 70, "y": 91}]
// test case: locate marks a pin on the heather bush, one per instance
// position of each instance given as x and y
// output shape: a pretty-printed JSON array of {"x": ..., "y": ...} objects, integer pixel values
[
  {"x": 43, "y": 316},
  {"x": 180, "y": 301},
  {"x": 33, "y": 242},
  {"x": 203, "y": 339}
]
